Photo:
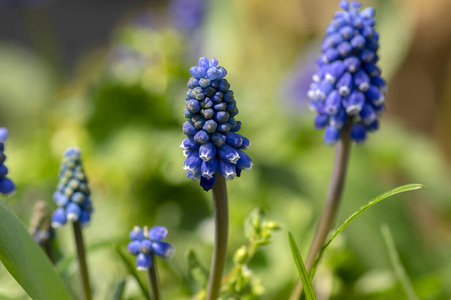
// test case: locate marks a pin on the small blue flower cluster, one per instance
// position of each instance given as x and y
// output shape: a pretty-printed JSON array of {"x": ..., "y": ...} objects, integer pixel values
[
  {"x": 7, "y": 186},
  {"x": 147, "y": 242},
  {"x": 72, "y": 193},
  {"x": 212, "y": 144},
  {"x": 348, "y": 86}
]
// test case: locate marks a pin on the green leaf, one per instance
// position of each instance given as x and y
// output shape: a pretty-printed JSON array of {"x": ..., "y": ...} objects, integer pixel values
[
  {"x": 119, "y": 291},
  {"x": 400, "y": 189},
  {"x": 306, "y": 282},
  {"x": 132, "y": 269},
  {"x": 195, "y": 270},
  {"x": 26, "y": 261},
  {"x": 396, "y": 263}
]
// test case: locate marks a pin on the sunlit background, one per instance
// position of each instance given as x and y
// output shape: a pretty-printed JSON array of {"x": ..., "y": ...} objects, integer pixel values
[{"x": 110, "y": 77}]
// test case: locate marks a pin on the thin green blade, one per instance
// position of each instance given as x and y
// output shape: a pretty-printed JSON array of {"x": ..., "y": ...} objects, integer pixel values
[
  {"x": 119, "y": 291},
  {"x": 306, "y": 283},
  {"x": 195, "y": 270},
  {"x": 400, "y": 189},
  {"x": 26, "y": 261},
  {"x": 132, "y": 269},
  {"x": 396, "y": 263}
]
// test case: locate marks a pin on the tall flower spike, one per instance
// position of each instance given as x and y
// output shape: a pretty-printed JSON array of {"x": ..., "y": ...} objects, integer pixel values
[
  {"x": 212, "y": 144},
  {"x": 7, "y": 186},
  {"x": 348, "y": 86},
  {"x": 72, "y": 194}
]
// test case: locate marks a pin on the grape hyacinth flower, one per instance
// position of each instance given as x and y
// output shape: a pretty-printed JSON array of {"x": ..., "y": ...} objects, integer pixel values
[
  {"x": 214, "y": 150},
  {"x": 145, "y": 245},
  {"x": 348, "y": 86},
  {"x": 147, "y": 242},
  {"x": 7, "y": 186},
  {"x": 73, "y": 198},
  {"x": 348, "y": 95},
  {"x": 212, "y": 145},
  {"x": 72, "y": 194}
]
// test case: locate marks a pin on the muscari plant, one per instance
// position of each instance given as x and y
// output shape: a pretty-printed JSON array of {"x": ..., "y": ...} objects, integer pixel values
[
  {"x": 214, "y": 149},
  {"x": 74, "y": 205},
  {"x": 347, "y": 94}
]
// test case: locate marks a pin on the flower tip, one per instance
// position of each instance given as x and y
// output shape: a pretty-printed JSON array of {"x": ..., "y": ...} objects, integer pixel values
[
  {"x": 230, "y": 176},
  {"x": 157, "y": 233},
  {"x": 7, "y": 186},
  {"x": 73, "y": 217},
  {"x": 203, "y": 62},
  {"x": 344, "y": 4},
  {"x": 213, "y": 63},
  {"x": 143, "y": 262},
  {"x": 3, "y": 134},
  {"x": 356, "y": 4},
  {"x": 57, "y": 224}
]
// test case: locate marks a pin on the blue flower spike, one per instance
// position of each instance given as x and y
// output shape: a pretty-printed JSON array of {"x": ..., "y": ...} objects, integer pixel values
[
  {"x": 348, "y": 87},
  {"x": 146, "y": 243},
  {"x": 72, "y": 194},
  {"x": 7, "y": 186},
  {"x": 212, "y": 144}
]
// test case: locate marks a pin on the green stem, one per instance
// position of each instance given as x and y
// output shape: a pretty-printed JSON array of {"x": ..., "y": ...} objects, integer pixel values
[
  {"x": 220, "y": 208},
  {"x": 84, "y": 275},
  {"x": 333, "y": 201},
  {"x": 152, "y": 276}
]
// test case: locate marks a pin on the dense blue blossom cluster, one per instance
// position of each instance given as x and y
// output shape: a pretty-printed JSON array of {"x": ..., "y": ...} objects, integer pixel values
[
  {"x": 7, "y": 186},
  {"x": 147, "y": 242},
  {"x": 72, "y": 194},
  {"x": 348, "y": 86},
  {"x": 212, "y": 144}
]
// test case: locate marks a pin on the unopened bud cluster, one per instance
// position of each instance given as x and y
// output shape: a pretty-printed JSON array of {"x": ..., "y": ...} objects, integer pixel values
[
  {"x": 348, "y": 86},
  {"x": 212, "y": 144},
  {"x": 40, "y": 226},
  {"x": 72, "y": 194},
  {"x": 147, "y": 242}
]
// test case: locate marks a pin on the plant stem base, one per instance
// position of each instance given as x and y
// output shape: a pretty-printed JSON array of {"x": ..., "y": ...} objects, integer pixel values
[
  {"x": 333, "y": 201},
  {"x": 220, "y": 207},
  {"x": 84, "y": 275}
]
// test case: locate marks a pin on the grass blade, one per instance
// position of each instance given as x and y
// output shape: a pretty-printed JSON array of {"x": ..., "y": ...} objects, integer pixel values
[
  {"x": 306, "y": 283},
  {"x": 119, "y": 291},
  {"x": 400, "y": 189},
  {"x": 396, "y": 263},
  {"x": 132, "y": 269},
  {"x": 26, "y": 261}
]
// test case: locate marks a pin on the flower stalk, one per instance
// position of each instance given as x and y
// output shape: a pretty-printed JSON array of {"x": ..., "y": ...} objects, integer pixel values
[
  {"x": 152, "y": 276},
  {"x": 221, "y": 215},
  {"x": 81, "y": 253},
  {"x": 330, "y": 210}
]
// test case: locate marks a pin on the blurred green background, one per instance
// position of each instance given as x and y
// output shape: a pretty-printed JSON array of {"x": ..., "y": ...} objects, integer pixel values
[{"x": 110, "y": 77}]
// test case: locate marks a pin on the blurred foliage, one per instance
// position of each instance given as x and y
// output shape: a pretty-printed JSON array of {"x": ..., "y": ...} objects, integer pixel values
[{"x": 123, "y": 106}]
